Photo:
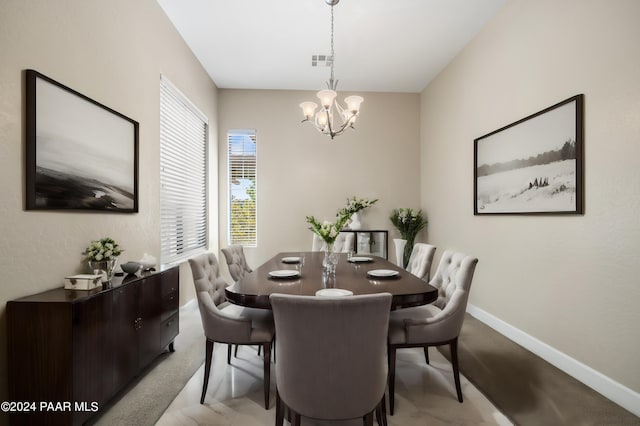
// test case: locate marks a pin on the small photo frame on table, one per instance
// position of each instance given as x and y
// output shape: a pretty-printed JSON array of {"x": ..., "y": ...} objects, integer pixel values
[
  {"x": 532, "y": 166},
  {"x": 80, "y": 154}
]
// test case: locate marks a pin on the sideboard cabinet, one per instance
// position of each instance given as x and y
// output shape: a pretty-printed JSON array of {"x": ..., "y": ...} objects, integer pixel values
[{"x": 76, "y": 349}]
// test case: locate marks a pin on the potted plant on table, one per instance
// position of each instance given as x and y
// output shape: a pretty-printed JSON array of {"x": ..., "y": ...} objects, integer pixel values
[
  {"x": 102, "y": 256},
  {"x": 352, "y": 209},
  {"x": 408, "y": 222}
]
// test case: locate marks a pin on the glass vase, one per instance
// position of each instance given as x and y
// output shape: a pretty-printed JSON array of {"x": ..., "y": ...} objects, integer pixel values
[
  {"x": 106, "y": 268},
  {"x": 330, "y": 260}
]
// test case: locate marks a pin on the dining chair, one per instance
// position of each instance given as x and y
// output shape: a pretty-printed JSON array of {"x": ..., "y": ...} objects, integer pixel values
[
  {"x": 236, "y": 261},
  {"x": 420, "y": 260},
  {"x": 436, "y": 324},
  {"x": 343, "y": 244},
  {"x": 227, "y": 323},
  {"x": 332, "y": 360}
]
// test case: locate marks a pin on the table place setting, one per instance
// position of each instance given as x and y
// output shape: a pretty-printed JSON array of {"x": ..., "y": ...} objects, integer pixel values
[
  {"x": 383, "y": 273},
  {"x": 291, "y": 259},
  {"x": 333, "y": 292},
  {"x": 360, "y": 259},
  {"x": 284, "y": 273}
]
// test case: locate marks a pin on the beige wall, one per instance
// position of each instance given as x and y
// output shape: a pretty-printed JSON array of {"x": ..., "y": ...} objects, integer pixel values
[
  {"x": 569, "y": 281},
  {"x": 301, "y": 172},
  {"x": 114, "y": 53}
]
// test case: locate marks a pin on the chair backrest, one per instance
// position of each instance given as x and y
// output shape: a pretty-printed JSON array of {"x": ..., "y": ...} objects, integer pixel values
[
  {"x": 420, "y": 260},
  {"x": 453, "y": 281},
  {"x": 210, "y": 294},
  {"x": 343, "y": 243},
  {"x": 236, "y": 262},
  {"x": 332, "y": 356}
]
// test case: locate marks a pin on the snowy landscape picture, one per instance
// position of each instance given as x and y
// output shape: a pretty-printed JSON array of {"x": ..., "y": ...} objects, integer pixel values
[{"x": 533, "y": 165}]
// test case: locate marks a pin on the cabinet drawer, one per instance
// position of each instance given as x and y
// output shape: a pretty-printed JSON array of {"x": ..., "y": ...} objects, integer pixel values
[{"x": 170, "y": 328}]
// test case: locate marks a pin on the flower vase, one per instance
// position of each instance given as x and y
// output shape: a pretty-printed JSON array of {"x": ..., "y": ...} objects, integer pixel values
[
  {"x": 106, "y": 268},
  {"x": 355, "y": 221},
  {"x": 408, "y": 248},
  {"x": 400, "y": 245},
  {"x": 330, "y": 260}
]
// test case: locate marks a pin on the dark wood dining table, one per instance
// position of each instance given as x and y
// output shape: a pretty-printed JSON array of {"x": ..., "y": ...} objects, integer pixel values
[{"x": 253, "y": 289}]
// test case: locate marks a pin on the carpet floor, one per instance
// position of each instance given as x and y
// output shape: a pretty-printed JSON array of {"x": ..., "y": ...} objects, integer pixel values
[{"x": 522, "y": 386}]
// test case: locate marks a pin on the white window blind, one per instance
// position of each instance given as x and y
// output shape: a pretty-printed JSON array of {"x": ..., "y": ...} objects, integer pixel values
[
  {"x": 183, "y": 175},
  {"x": 242, "y": 167}
]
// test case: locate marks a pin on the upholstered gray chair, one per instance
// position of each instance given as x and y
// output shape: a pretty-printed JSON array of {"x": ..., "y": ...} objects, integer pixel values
[
  {"x": 344, "y": 243},
  {"x": 437, "y": 324},
  {"x": 236, "y": 262},
  {"x": 420, "y": 260},
  {"x": 332, "y": 361},
  {"x": 227, "y": 323}
]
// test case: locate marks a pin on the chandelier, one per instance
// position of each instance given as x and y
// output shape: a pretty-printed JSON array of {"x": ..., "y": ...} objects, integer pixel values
[{"x": 323, "y": 119}]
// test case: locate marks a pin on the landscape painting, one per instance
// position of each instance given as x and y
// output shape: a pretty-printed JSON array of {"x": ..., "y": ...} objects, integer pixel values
[
  {"x": 533, "y": 166},
  {"x": 80, "y": 154}
]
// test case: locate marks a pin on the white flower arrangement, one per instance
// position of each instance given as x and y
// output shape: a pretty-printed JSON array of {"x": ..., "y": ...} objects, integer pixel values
[
  {"x": 329, "y": 231},
  {"x": 103, "y": 250},
  {"x": 354, "y": 205}
]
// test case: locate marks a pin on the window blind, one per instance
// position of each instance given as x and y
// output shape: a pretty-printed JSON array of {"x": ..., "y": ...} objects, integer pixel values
[
  {"x": 183, "y": 176},
  {"x": 242, "y": 167}
]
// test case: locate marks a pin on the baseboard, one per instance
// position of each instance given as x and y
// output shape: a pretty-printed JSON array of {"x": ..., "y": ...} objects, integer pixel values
[
  {"x": 616, "y": 392},
  {"x": 189, "y": 304}
]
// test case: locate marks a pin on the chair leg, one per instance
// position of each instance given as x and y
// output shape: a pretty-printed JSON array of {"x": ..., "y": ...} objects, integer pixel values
[
  {"x": 383, "y": 405},
  {"x": 426, "y": 354},
  {"x": 208, "y": 352},
  {"x": 368, "y": 419},
  {"x": 381, "y": 412},
  {"x": 259, "y": 349},
  {"x": 235, "y": 352},
  {"x": 267, "y": 372},
  {"x": 392, "y": 376},
  {"x": 456, "y": 371},
  {"x": 229, "y": 345},
  {"x": 279, "y": 410},
  {"x": 295, "y": 419}
]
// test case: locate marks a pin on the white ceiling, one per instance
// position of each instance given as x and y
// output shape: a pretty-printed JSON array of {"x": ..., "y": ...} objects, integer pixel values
[{"x": 384, "y": 46}]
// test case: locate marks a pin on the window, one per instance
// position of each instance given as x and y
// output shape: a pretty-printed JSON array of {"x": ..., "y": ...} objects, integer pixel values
[
  {"x": 242, "y": 166},
  {"x": 183, "y": 175}
]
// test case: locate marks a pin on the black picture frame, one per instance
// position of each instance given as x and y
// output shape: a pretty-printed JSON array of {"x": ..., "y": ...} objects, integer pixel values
[
  {"x": 80, "y": 154},
  {"x": 534, "y": 165}
]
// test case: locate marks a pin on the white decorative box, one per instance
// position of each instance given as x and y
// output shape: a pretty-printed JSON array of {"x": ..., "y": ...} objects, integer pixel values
[{"x": 83, "y": 282}]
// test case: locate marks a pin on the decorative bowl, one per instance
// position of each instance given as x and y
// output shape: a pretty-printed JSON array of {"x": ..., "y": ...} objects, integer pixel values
[{"x": 130, "y": 267}]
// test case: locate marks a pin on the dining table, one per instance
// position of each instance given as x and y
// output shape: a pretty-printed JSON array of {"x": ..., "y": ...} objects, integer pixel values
[{"x": 302, "y": 273}]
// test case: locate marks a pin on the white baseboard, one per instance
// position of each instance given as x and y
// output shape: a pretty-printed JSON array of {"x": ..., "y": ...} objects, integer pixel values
[
  {"x": 189, "y": 304},
  {"x": 616, "y": 392}
]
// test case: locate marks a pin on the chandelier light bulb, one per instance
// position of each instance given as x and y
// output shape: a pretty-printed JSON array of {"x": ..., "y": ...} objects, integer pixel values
[
  {"x": 326, "y": 98},
  {"x": 353, "y": 103},
  {"x": 308, "y": 109},
  {"x": 322, "y": 119}
]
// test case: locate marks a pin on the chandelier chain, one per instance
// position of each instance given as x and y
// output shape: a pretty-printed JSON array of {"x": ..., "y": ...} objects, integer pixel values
[{"x": 333, "y": 55}]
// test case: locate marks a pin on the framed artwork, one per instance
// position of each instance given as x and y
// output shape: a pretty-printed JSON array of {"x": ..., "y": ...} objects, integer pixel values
[
  {"x": 532, "y": 166},
  {"x": 80, "y": 154}
]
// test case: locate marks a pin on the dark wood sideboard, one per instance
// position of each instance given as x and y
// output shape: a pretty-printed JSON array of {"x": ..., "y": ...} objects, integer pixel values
[{"x": 77, "y": 349}]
